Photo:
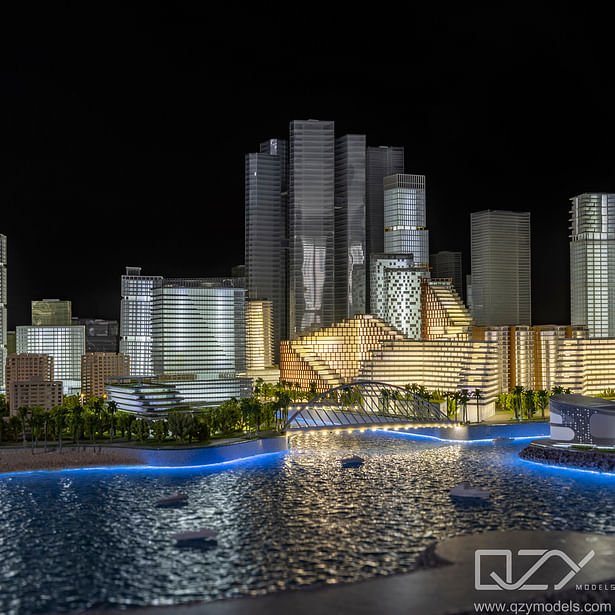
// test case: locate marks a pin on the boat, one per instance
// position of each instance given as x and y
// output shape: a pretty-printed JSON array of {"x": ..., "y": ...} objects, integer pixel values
[
  {"x": 352, "y": 462},
  {"x": 502, "y": 439},
  {"x": 176, "y": 499},
  {"x": 199, "y": 537},
  {"x": 464, "y": 490}
]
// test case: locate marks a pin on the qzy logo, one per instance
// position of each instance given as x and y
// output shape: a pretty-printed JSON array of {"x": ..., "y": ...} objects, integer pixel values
[{"x": 543, "y": 554}]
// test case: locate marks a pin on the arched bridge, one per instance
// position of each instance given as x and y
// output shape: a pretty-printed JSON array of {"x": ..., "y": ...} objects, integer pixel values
[{"x": 364, "y": 403}]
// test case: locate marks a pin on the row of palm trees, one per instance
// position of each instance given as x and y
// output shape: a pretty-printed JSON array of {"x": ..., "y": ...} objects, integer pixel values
[{"x": 525, "y": 403}]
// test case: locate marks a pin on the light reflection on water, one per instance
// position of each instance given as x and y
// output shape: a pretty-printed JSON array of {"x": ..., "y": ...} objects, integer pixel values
[{"x": 86, "y": 539}]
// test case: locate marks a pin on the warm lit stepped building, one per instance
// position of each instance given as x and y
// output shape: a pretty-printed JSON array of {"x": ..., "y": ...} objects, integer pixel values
[
  {"x": 586, "y": 366},
  {"x": 27, "y": 367},
  {"x": 528, "y": 355},
  {"x": 443, "y": 313},
  {"x": 332, "y": 356},
  {"x": 99, "y": 368},
  {"x": 440, "y": 365}
]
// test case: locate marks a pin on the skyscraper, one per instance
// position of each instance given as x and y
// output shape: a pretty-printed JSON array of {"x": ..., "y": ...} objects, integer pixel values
[
  {"x": 592, "y": 263},
  {"x": 3, "y": 302},
  {"x": 350, "y": 247},
  {"x": 136, "y": 320},
  {"x": 266, "y": 248},
  {"x": 501, "y": 267},
  {"x": 199, "y": 336},
  {"x": 447, "y": 264},
  {"x": 405, "y": 217},
  {"x": 380, "y": 162},
  {"x": 311, "y": 225},
  {"x": 51, "y": 313}
]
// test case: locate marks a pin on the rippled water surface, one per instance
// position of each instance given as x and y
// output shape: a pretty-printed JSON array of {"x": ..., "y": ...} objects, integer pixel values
[{"x": 80, "y": 539}]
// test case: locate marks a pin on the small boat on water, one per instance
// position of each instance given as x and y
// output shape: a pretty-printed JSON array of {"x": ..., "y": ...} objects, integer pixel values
[
  {"x": 352, "y": 462},
  {"x": 464, "y": 490},
  {"x": 177, "y": 499},
  {"x": 199, "y": 537},
  {"x": 502, "y": 439}
]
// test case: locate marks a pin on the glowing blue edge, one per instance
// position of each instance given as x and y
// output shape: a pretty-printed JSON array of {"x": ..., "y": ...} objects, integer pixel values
[
  {"x": 420, "y": 435},
  {"x": 566, "y": 468},
  {"x": 145, "y": 467}
]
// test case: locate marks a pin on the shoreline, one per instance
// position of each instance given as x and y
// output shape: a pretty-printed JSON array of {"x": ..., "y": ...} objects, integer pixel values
[
  {"x": 24, "y": 460},
  {"x": 576, "y": 459}
]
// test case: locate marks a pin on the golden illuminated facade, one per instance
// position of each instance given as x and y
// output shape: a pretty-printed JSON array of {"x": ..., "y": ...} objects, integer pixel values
[
  {"x": 100, "y": 368},
  {"x": 333, "y": 355},
  {"x": 259, "y": 335},
  {"x": 586, "y": 366},
  {"x": 528, "y": 355},
  {"x": 443, "y": 313}
]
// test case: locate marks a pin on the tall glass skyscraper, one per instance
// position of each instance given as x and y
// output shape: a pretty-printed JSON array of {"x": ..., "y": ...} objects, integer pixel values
[
  {"x": 405, "y": 217},
  {"x": 311, "y": 225},
  {"x": 3, "y": 323},
  {"x": 592, "y": 263},
  {"x": 266, "y": 245},
  {"x": 380, "y": 162},
  {"x": 501, "y": 267},
  {"x": 136, "y": 320},
  {"x": 350, "y": 247},
  {"x": 199, "y": 336},
  {"x": 447, "y": 264}
]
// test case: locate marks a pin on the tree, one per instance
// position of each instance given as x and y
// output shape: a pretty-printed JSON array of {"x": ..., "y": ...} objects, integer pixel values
[
  {"x": 4, "y": 410},
  {"x": 112, "y": 409},
  {"x": 58, "y": 415},
  {"x": 477, "y": 394},
  {"x": 35, "y": 422},
  {"x": 160, "y": 430},
  {"x": 542, "y": 398},
  {"x": 141, "y": 429},
  {"x": 178, "y": 424},
  {"x": 518, "y": 397},
  {"x": 528, "y": 398},
  {"x": 464, "y": 398},
  {"x": 22, "y": 413}
]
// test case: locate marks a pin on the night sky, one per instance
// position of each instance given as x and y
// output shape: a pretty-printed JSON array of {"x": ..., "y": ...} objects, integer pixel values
[{"x": 124, "y": 133}]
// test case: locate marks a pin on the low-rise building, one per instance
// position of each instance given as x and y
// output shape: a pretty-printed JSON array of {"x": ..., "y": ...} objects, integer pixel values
[
  {"x": 24, "y": 367},
  {"x": 34, "y": 392},
  {"x": 99, "y": 368}
]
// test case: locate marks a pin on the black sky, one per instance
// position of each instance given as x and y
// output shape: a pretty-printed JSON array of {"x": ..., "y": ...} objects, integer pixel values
[{"x": 123, "y": 133}]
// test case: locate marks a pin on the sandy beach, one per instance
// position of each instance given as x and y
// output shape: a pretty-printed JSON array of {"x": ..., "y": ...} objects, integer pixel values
[{"x": 22, "y": 459}]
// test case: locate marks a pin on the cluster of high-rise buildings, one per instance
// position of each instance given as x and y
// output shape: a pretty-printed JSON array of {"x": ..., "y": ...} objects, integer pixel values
[{"x": 338, "y": 285}]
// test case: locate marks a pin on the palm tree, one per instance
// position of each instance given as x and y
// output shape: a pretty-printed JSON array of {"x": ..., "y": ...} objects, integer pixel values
[
  {"x": 477, "y": 396},
  {"x": 557, "y": 390},
  {"x": 4, "y": 410},
  {"x": 112, "y": 409},
  {"x": 529, "y": 402},
  {"x": 464, "y": 398},
  {"x": 517, "y": 396},
  {"x": 542, "y": 397},
  {"x": 58, "y": 414},
  {"x": 22, "y": 413}
]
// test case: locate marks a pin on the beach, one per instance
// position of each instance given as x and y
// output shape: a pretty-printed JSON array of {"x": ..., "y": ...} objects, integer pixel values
[{"x": 13, "y": 459}]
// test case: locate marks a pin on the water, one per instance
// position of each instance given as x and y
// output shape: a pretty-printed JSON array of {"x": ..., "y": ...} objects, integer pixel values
[{"x": 81, "y": 539}]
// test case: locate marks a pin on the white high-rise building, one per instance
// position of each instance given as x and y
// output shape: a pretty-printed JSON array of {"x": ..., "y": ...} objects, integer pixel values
[
  {"x": 501, "y": 267},
  {"x": 3, "y": 324},
  {"x": 136, "y": 320},
  {"x": 592, "y": 263}
]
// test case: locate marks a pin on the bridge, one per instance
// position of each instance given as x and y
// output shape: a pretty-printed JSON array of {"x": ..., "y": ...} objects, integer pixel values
[{"x": 365, "y": 404}]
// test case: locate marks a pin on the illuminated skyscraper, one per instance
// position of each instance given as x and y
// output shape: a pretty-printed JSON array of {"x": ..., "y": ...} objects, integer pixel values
[
  {"x": 51, "y": 313},
  {"x": 350, "y": 248},
  {"x": 3, "y": 301},
  {"x": 266, "y": 246},
  {"x": 311, "y": 225},
  {"x": 199, "y": 336},
  {"x": 501, "y": 267},
  {"x": 405, "y": 218},
  {"x": 592, "y": 263},
  {"x": 136, "y": 320}
]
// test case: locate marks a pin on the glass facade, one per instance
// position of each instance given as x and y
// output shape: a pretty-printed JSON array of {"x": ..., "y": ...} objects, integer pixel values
[
  {"x": 136, "y": 320},
  {"x": 266, "y": 248},
  {"x": 501, "y": 267},
  {"x": 259, "y": 335},
  {"x": 311, "y": 225},
  {"x": 592, "y": 263},
  {"x": 64, "y": 344},
  {"x": 380, "y": 162},
  {"x": 199, "y": 336},
  {"x": 448, "y": 265},
  {"x": 350, "y": 248},
  {"x": 3, "y": 322},
  {"x": 405, "y": 218}
]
